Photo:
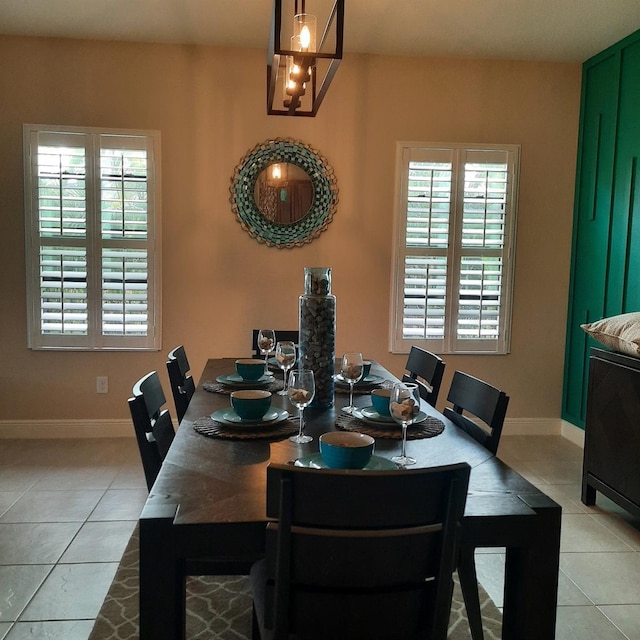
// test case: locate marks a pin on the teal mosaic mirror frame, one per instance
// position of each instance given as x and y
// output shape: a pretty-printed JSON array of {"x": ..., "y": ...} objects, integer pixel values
[{"x": 323, "y": 205}]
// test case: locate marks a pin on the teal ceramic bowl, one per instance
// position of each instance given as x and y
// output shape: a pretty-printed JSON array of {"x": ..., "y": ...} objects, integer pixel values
[
  {"x": 366, "y": 369},
  {"x": 250, "y": 368},
  {"x": 380, "y": 401},
  {"x": 346, "y": 449},
  {"x": 251, "y": 404}
]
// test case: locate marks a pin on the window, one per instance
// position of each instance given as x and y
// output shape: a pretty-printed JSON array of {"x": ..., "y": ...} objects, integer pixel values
[
  {"x": 454, "y": 250},
  {"x": 92, "y": 209}
]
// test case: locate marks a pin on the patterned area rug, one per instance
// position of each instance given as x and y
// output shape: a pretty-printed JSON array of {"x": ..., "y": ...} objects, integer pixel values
[{"x": 219, "y": 608}]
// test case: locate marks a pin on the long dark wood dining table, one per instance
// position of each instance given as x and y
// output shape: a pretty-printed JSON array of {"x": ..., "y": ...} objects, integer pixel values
[{"x": 209, "y": 501}]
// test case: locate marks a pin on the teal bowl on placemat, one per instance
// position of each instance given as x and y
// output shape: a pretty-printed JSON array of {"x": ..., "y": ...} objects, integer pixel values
[
  {"x": 380, "y": 401},
  {"x": 250, "y": 368},
  {"x": 251, "y": 404},
  {"x": 346, "y": 449}
]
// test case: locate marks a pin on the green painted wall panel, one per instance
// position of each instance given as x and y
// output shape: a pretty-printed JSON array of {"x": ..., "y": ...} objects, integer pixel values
[
  {"x": 605, "y": 267},
  {"x": 594, "y": 193},
  {"x": 625, "y": 255}
]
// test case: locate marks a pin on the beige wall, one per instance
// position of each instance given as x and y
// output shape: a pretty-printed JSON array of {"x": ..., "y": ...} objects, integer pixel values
[{"x": 218, "y": 283}]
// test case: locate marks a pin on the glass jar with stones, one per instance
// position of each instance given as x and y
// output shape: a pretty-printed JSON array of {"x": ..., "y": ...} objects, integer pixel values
[{"x": 317, "y": 341}]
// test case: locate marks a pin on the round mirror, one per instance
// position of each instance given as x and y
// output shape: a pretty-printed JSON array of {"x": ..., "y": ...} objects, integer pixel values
[{"x": 283, "y": 193}]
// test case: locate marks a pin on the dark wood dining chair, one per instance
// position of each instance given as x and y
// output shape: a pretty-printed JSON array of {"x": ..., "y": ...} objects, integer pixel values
[
  {"x": 358, "y": 554},
  {"x": 426, "y": 369},
  {"x": 293, "y": 336},
  {"x": 478, "y": 409},
  {"x": 182, "y": 384},
  {"x": 152, "y": 424},
  {"x": 154, "y": 433}
]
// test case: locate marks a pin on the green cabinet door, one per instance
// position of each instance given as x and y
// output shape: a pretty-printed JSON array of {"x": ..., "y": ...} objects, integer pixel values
[
  {"x": 605, "y": 265},
  {"x": 592, "y": 219},
  {"x": 623, "y": 290}
]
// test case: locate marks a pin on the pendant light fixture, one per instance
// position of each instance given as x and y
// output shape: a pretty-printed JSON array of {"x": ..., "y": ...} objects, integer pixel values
[{"x": 301, "y": 63}]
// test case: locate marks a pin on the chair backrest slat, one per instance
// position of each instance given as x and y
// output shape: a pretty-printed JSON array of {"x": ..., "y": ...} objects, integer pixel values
[
  {"x": 149, "y": 454},
  {"x": 483, "y": 402},
  {"x": 281, "y": 335},
  {"x": 426, "y": 369},
  {"x": 182, "y": 384},
  {"x": 150, "y": 388},
  {"x": 152, "y": 424}
]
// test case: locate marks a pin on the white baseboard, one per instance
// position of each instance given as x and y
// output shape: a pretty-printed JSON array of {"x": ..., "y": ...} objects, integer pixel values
[
  {"x": 573, "y": 433},
  {"x": 43, "y": 429}
]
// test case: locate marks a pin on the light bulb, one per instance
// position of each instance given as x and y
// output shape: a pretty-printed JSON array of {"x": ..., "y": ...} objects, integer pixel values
[
  {"x": 305, "y": 38},
  {"x": 304, "y": 32}
]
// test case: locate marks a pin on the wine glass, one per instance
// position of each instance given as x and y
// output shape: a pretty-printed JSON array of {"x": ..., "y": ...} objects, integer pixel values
[
  {"x": 286, "y": 358},
  {"x": 266, "y": 340},
  {"x": 351, "y": 369},
  {"x": 302, "y": 388},
  {"x": 403, "y": 407}
]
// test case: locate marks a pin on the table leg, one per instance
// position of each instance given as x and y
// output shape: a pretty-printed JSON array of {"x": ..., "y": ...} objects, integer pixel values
[
  {"x": 531, "y": 577},
  {"x": 588, "y": 496},
  {"x": 162, "y": 582}
]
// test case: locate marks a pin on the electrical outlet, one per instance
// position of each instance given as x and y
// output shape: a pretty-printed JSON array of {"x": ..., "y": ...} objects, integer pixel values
[{"x": 102, "y": 384}]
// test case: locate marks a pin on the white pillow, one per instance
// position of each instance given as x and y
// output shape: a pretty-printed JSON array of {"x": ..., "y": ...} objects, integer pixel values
[{"x": 619, "y": 333}]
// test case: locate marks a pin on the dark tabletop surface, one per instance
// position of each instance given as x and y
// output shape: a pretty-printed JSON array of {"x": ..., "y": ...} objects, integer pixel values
[{"x": 222, "y": 481}]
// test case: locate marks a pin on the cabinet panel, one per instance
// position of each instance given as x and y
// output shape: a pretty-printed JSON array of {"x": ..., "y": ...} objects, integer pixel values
[
  {"x": 605, "y": 266},
  {"x": 612, "y": 438},
  {"x": 623, "y": 292},
  {"x": 592, "y": 220}
]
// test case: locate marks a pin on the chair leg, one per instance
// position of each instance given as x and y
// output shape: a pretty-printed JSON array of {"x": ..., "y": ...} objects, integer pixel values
[
  {"x": 469, "y": 586},
  {"x": 255, "y": 627}
]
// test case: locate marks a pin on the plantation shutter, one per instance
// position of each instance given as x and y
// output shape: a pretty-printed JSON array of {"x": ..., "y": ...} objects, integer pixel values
[
  {"x": 125, "y": 237},
  {"x": 455, "y": 229},
  {"x": 91, "y": 240},
  {"x": 481, "y": 243},
  {"x": 426, "y": 243}
]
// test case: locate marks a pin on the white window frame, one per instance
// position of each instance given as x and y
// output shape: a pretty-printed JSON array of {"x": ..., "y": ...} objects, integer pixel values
[
  {"x": 109, "y": 315},
  {"x": 452, "y": 250}
]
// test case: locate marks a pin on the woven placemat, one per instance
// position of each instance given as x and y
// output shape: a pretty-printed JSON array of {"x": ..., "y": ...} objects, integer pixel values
[
  {"x": 427, "y": 429},
  {"x": 218, "y": 387},
  {"x": 211, "y": 428}
]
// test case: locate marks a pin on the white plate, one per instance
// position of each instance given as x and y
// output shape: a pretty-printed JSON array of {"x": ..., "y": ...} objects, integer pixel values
[
  {"x": 315, "y": 461},
  {"x": 230, "y": 417},
  {"x": 369, "y": 414},
  {"x": 235, "y": 380}
]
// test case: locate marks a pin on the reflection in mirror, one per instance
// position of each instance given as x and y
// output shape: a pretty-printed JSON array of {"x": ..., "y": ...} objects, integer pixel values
[{"x": 283, "y": 193}]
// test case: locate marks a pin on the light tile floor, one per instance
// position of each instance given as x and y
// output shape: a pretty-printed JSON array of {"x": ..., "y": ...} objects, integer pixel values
[
  {"x": 67, "y": 511},
  {"x": 68, "y": 507},
  {"x": 599, "y": 584}
]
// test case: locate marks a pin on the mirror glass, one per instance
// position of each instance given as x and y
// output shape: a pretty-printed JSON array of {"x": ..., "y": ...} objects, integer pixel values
[{"x": 283, "y": 193}]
